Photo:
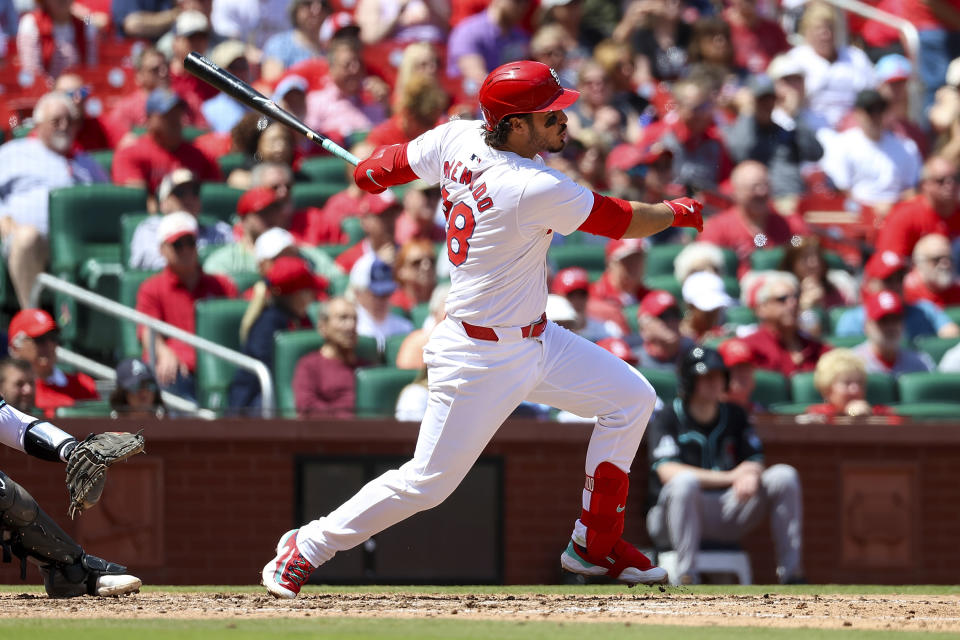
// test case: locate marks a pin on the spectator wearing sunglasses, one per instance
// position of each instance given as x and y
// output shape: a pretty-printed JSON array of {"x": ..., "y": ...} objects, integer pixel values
[
  {"x": 95, "y": 134},
  {"x": 137, "y": 394},
  {"x": 33, "y": 337},
  {"x": 170, "y": 296},
  {"x": 778, "y": 344}
]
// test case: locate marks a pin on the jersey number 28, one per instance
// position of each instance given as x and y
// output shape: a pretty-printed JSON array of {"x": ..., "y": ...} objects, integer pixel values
[{"x": 460, "y": 225}]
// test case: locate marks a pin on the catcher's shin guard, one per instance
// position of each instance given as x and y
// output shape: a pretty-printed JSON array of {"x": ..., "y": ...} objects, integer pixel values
[
  {"x": 27, "y": 532},
  {"x": 603, "y": 519}
]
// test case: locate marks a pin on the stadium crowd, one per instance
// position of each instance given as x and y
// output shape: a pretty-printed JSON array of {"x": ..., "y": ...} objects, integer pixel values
[{"x": 826, "y": 275}]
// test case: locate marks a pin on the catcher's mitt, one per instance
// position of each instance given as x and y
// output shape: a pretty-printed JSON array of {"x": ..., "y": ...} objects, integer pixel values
[{"x": 87, "y": 466}]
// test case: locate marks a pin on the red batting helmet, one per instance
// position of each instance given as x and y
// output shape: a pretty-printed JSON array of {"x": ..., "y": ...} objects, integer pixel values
[{"x": 522, "y": 87}]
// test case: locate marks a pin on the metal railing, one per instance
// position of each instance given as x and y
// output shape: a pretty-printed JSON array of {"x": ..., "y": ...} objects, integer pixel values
[
  {"x": 103, "y": 372},
  {"x": 113, "y": 308}
]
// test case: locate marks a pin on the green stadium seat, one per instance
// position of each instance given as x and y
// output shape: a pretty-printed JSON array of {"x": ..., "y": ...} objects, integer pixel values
[
  {"x": 231, "y": 161},
  {"x": 289, "y": 347},
  {"x": 393, "y": 348},
  {"x": 378, "y": 389},
  {"x": 219, "y": 200},
  {"x": 766, "y": 259},
  {"x": 660, "y": 259},
  {"x": 928, "y": 410},
  {"x": 85, "y": 223},
  {"x": 244, "y": 279},
  {"x": 844, "y": 342},
  {"x": 630, "y": 313},
  {"x": 104, "y": 158},
  {"x": 419, "y": 313},
  {"x": 740, "y": 316},
  {"x": 352, "y": 226},
  {"x": 325, "y": 170},
  {"x": 191, "y": 133},
  {"x": 731, "y": 263},
  {"x": 953, "y": 313},
  {"x": 309, "y": 194},
  {"x": 333, "y": 250},
  {"x": 90, "y": 409},
  {"x": 588, "y": 256},
  {"x": 217, "y": 320},
  {"x": 664, "y": 382},
  {"x": 789, "y": 408},
  {"x": 130, "y": 282},
  {"x": 732, "y": 286},
  {"x": 772, "y": 388},
  {"x": 881, "y": 388},
  {"x": 665, "y": 282},
  {"x": 935, "y": 346},
  {"x": 929, "y": 387}
]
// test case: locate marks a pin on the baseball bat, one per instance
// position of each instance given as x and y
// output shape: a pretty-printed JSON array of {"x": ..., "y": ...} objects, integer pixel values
[{"x": 243, "y": 93}]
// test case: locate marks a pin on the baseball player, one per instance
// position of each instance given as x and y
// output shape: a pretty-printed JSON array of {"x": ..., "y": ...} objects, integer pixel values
[
  {"x": 495, "y": 347},
  {"x": 27, "y": 532}
]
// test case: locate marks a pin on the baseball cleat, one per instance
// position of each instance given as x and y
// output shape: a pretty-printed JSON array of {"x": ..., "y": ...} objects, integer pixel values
[
  {"x": 631, "y": 566},
  {"x": 117, "y": 585},
  {"x": 288, "y": 571}
]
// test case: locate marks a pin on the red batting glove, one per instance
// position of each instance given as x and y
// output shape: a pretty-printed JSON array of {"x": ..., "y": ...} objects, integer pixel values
[{"x": 687, "y": 212}]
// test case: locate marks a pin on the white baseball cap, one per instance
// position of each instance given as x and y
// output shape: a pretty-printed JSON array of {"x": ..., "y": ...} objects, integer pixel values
[
  {"x": 704, "y": 290},
  {"x": 191, "y": 22},
  {"x": 175, "y": 225},
  {"x": 559, "y": 309},
  {"x": 172, "y": 180},
  {"x": 271, "y": 242},
  {"x": 783, "y": 66}
]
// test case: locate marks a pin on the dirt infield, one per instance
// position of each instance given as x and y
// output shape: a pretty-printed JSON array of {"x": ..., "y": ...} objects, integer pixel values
[{"x": 896, "y": 612}]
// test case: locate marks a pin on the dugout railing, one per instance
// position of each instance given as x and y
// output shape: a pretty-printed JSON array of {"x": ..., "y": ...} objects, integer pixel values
[{"x": 153, "y": 327}]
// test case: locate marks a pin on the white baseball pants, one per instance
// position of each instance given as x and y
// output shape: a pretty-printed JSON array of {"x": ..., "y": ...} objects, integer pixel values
[{"x": 474, "y": 386}]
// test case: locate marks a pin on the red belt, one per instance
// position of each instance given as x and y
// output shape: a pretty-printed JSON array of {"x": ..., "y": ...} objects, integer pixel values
[{"x": 532, "y": 330}]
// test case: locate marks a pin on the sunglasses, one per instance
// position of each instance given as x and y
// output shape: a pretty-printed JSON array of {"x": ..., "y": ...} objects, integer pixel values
[
  {"x": 785, "y": 298},
  {"x": 422, "y": 262},
  {"x": 945, "y": 179},
  {"x": 187, "y": 242},
  {"x": 47, "y": 338},
  {"x": 946, "y": 259}
]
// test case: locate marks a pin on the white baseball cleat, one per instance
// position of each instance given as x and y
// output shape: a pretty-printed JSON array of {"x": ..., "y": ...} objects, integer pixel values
[
  {"x": 117, "y": 585},
  {"x": 624, "y": 563}
]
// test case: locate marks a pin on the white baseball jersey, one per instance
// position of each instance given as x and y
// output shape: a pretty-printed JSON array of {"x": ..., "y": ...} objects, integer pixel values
[{"x": 501, "y": 211}]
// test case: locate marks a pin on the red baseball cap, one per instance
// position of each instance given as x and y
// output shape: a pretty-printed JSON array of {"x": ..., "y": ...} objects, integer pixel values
[
  {"x": 377, "y": 203},
  {"x": 624, "y": 157},
  {"x": 618, "y": 249},
  {"x": 735, "y": 351},
  {"x": 524, "y": 86},
  {"x": 884, "y": 264},
  {"x": 570, "y": 279},
  {"x": 656, "y": 302},
  {"x": 619, "y": 348},
  {"x": 289, "y": 275},
  {"x": 256, "y": 199},
  {"x": 31, "y": 323},
  {"x": 882, "y": 304}
]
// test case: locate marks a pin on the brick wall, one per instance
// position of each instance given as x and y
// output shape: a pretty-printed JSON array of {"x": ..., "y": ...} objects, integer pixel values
[{"x": 209, "y": 500}]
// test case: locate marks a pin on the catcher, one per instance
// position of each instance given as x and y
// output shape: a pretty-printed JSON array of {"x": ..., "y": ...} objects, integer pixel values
[{"x": 27, "y": 532}]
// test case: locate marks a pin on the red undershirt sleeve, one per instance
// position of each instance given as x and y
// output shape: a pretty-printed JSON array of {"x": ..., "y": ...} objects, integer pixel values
[
  {"x": 387, "y": 166},
  {"x": 609, "y": 217}
]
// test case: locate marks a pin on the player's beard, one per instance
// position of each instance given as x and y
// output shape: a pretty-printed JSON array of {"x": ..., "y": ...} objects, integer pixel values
[{"x": 542, "y": 142}]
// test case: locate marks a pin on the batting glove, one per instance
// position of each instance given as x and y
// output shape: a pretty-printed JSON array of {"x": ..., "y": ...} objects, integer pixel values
[{"x": 687, "y": 212}]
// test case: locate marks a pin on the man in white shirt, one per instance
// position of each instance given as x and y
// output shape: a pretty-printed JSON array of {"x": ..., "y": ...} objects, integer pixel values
[
  {"x": 869, "y": 162},
  {"x": 30, "y": 168},
  {"x": 372, "y": 283}
]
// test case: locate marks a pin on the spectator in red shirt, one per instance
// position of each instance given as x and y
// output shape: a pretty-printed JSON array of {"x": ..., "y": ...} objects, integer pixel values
[
  {"x": 50, "y": 39},
  {"x": 416, "y": 274},
  {"x": 841, "y": 378},
  {"x": 323, "y": 381},
  {"x": 751, "y": 223},
  {"x": 152, "y": 72},
  {"x": 33, "y": 337},
  {"x": 738, "y": 357},
  {"x": 573, "y": 283},
  {"x": 378, "y": 216},
  {"x": 755, "y": 39},
  {"x": 162, "y": 149},
  {"x": 170, "y": 296},
  {"x": 622, "y": 281},
  {"x": 935, "y": 210},
  {"x": 777, "y": 344},
  {"x": 419, "y": 216},
  {"x": 417, "y": 108},
  {"x": 658, "y": 319},
  {"x": 934, "y": 276},
  {"x": 700, "y": 158}
]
